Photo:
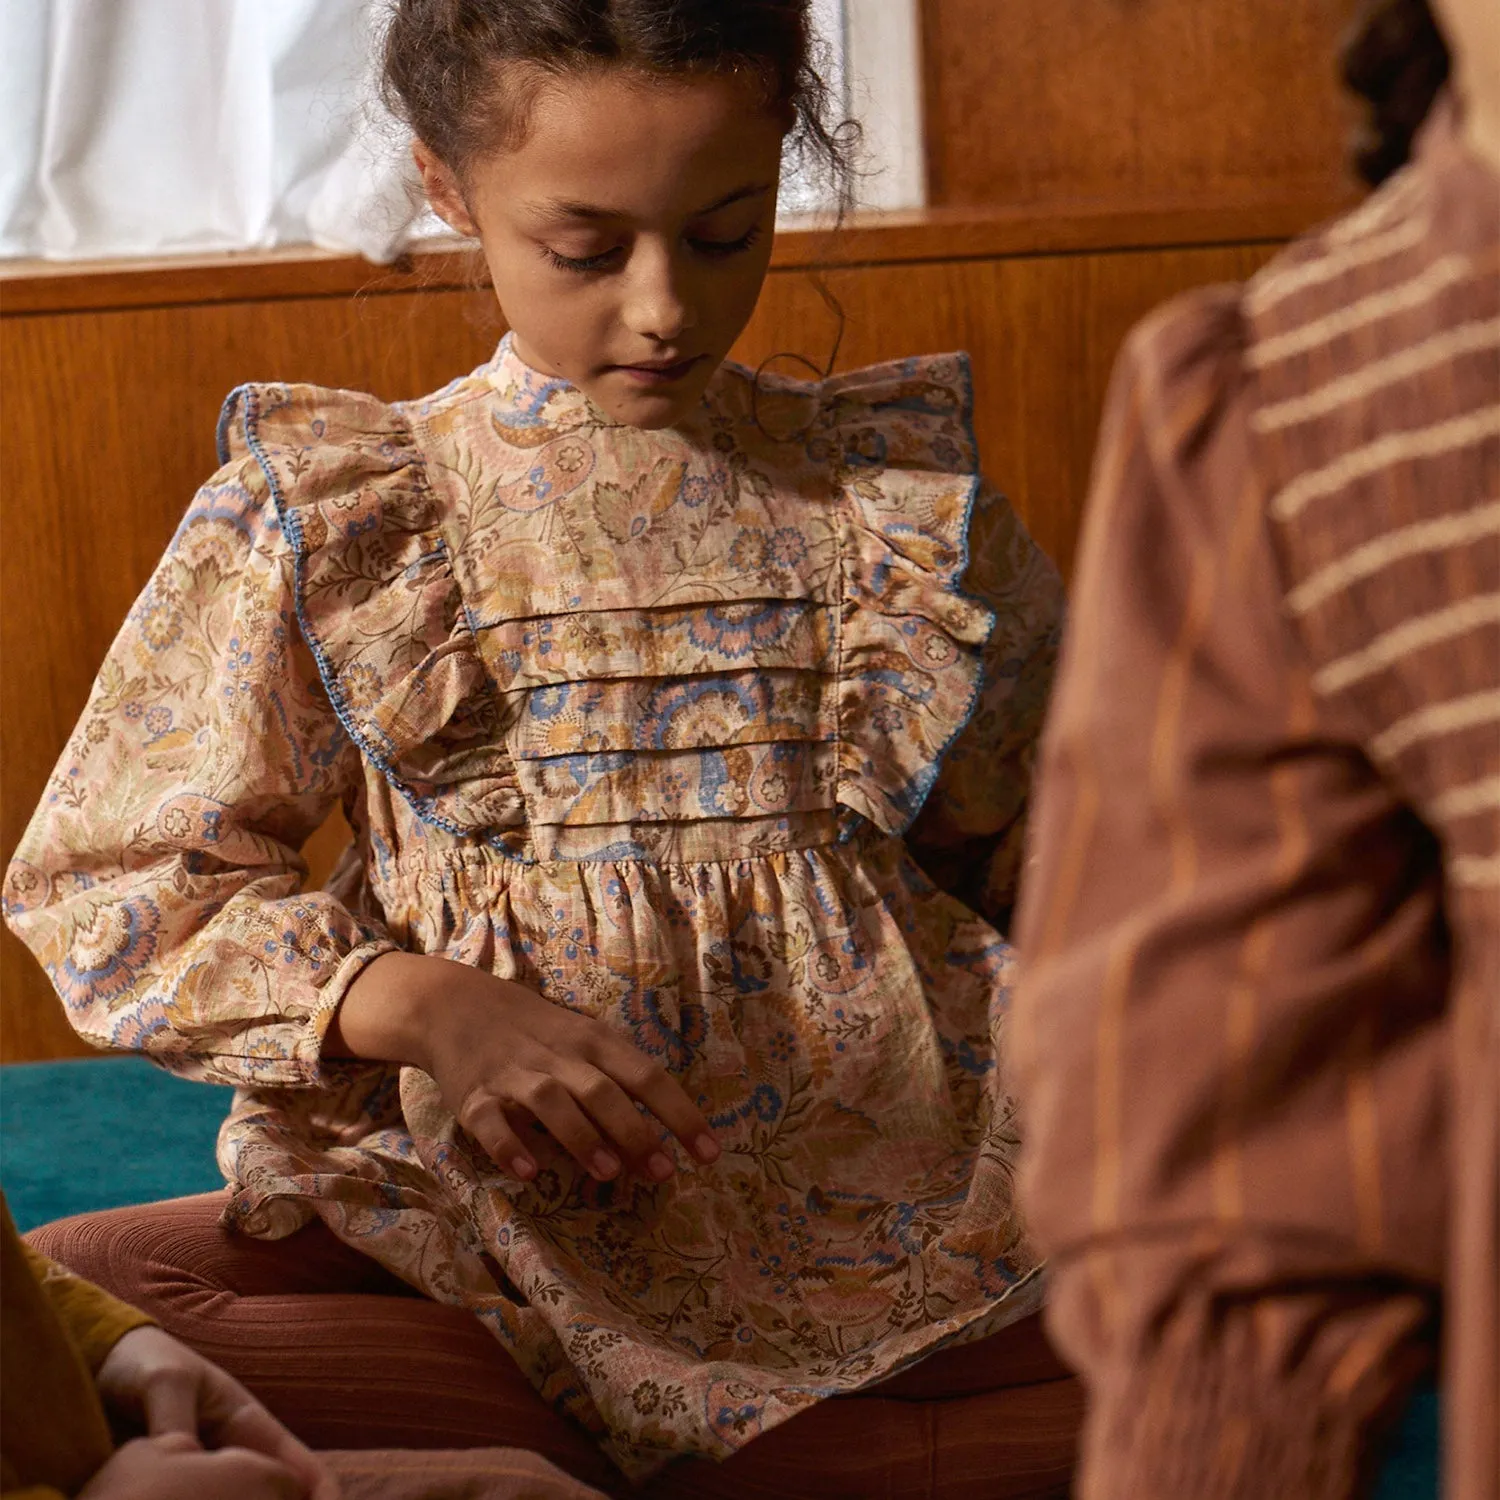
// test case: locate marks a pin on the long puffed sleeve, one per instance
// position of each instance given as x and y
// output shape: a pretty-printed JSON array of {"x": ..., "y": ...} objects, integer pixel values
[
  {"x": 971, "y": 830},
  {"x": 159, "y": 883}
]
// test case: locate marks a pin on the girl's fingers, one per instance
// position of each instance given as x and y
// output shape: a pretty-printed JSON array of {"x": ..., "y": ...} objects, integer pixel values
[
  {"x": 239, "y": 1471},
  {"x": 616, "y": 1115},
  {"x": 251, "y": 1426},
  {"x": 488, "y": 1124},
  {"x": 663, "y": 1096},
  {"x": 170, "y": 1402},
  {"x": 555, "y": 1107}
]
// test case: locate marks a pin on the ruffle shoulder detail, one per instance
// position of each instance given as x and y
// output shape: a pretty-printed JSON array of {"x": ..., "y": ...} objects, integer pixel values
[
  {"x": 901, "y": 441},
  {"x": 377, "y": 599}
]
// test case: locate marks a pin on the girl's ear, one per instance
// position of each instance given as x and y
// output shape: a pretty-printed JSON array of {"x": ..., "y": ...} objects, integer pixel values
[{"x": 443, "y": 192}]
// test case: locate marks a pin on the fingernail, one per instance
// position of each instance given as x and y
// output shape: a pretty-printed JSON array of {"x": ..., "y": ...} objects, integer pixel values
[
  {"x": 523, "y": 1166},
  {"x": 659, "y": 1166},
  {"x": 706, "y": 1148},
  {"x": 602, "y": 1164}
]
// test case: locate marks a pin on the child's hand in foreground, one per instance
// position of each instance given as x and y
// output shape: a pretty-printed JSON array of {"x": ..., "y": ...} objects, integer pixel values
[
  {"x": 206, "y": 1434},
  {"x": 502, "y": 1055},
  {"x": 177, "y": 1468}
]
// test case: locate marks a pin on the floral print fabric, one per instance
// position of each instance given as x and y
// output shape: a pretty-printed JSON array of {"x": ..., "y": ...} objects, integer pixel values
[{"x": 645, "y": 721}]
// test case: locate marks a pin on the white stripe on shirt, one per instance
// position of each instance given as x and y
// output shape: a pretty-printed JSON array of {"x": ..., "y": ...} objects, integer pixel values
[
  {"x": 1410, "y": 635},
  {"x": 1393, "y": 448},
  {"x": 1408, "y": 541}
]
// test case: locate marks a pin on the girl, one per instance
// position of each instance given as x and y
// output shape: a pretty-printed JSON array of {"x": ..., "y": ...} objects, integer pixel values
[{"x": 630, "y": 1022}]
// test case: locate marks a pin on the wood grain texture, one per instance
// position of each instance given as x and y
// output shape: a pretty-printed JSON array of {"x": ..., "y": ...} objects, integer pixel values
[
  {"x": 1130, "y": 101},
  {"x": 107, "y": 428}
]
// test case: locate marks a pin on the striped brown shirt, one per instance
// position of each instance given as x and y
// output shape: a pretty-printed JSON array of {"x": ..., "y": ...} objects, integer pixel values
[{"x": 1258, "y": 1039}]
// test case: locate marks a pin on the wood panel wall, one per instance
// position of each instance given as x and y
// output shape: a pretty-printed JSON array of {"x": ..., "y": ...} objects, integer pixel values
[{"x": 1133, "y": 101}]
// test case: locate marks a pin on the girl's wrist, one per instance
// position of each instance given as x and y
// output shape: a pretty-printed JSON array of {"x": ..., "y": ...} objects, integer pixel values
[{"x": 385, "y": 1015}]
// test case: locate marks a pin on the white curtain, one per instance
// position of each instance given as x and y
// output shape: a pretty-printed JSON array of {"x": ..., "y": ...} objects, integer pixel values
[
  {"x": 161, "y": 127},
  {"x": 176, "y": 127}
]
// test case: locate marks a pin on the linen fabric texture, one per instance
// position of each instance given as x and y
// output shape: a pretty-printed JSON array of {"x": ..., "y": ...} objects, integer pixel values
[{"x": 655, "y": 724}]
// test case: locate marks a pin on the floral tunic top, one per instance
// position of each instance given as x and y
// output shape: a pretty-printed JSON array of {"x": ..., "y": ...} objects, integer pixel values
[{"x": 651, "y": 722}]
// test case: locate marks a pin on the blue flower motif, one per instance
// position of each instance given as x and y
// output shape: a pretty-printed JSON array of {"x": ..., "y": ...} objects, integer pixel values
[
  {"x": 539, "y": 482},
  {"x": 786, "y": 547},
  {"x": 696, "y": 491},
  {"x": 358, "y": 525},
  {"x": 652, "y": 1028},
  {"x": 548, "y": 702},
  {"x": 738, "y": 629},
  {"x": 675, "y": 711},
  {"x": 134, "y": 1031},
  {"x": 765, "y": 1101},
  {"x": 109, "y": 946}
]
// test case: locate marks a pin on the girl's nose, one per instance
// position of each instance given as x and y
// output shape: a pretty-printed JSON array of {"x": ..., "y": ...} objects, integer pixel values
[{"x": 656, "y": 304}]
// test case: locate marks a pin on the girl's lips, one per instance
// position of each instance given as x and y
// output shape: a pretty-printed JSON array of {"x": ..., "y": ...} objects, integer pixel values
[{"x": 659, "y": 374}]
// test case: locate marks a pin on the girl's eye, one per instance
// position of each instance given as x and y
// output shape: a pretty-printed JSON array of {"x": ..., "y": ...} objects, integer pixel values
[
  {"x": 582, "y": 265},
  {"x": 727, "y": 247},
  {"x": 586, "y": 265}
]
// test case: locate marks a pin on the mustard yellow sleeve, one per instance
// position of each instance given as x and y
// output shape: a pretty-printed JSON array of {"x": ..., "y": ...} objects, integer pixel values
[
  {"x": 53, "y": 1430},
  {"x": 93, "y": 1320}
]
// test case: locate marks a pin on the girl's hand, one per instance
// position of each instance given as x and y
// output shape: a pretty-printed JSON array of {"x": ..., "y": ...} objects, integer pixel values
[
  {"x": 176, "y": 1468},
  {"x": 502, "y": 1055},
  {"x": 184, "y": 1401}
]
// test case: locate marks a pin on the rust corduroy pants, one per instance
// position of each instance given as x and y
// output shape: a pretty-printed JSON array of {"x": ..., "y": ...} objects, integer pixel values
[{"x": 349, "y": 1357}]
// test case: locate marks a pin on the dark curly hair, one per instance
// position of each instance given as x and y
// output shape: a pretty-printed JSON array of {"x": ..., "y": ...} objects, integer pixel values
[
  {"x": 446, "y": 64},
  {"x": 1396, "y": 60}
]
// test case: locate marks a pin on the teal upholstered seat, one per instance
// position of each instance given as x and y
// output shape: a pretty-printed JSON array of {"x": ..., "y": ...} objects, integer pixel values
[{"x": 100, "y": 1132}]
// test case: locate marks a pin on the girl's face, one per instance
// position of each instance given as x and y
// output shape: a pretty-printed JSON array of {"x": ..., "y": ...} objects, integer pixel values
[{"x": 628, "y": 234}]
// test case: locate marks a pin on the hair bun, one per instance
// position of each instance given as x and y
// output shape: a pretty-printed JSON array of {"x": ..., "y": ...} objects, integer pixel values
[{"x": 1396, "y": 60}]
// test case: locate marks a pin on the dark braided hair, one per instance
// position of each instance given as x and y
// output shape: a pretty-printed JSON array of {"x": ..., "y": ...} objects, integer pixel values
[
  {"x": 450, "y": 65},
  {"x": 1396, "y": 60}
]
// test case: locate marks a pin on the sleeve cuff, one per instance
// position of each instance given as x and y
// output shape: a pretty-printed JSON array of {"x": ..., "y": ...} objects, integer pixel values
[
  {"x": 353, "y": 965},
  {"x": 1278, "y": 1396}
]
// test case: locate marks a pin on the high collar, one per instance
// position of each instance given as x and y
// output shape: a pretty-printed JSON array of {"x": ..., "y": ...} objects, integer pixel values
[{"x": 537, "y": 398}]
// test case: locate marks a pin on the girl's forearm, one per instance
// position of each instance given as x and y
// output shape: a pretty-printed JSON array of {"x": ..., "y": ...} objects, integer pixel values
[
  {"x": 500, "y": 1054},
  {"x": 386, "y": 1014}
]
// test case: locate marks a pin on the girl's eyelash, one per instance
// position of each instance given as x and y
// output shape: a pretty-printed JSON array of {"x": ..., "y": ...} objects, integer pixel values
[
  {"x": 582, "y": 266},
  {"x": 588, "y": 264},
  {"x": 728, "y": 247}
]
